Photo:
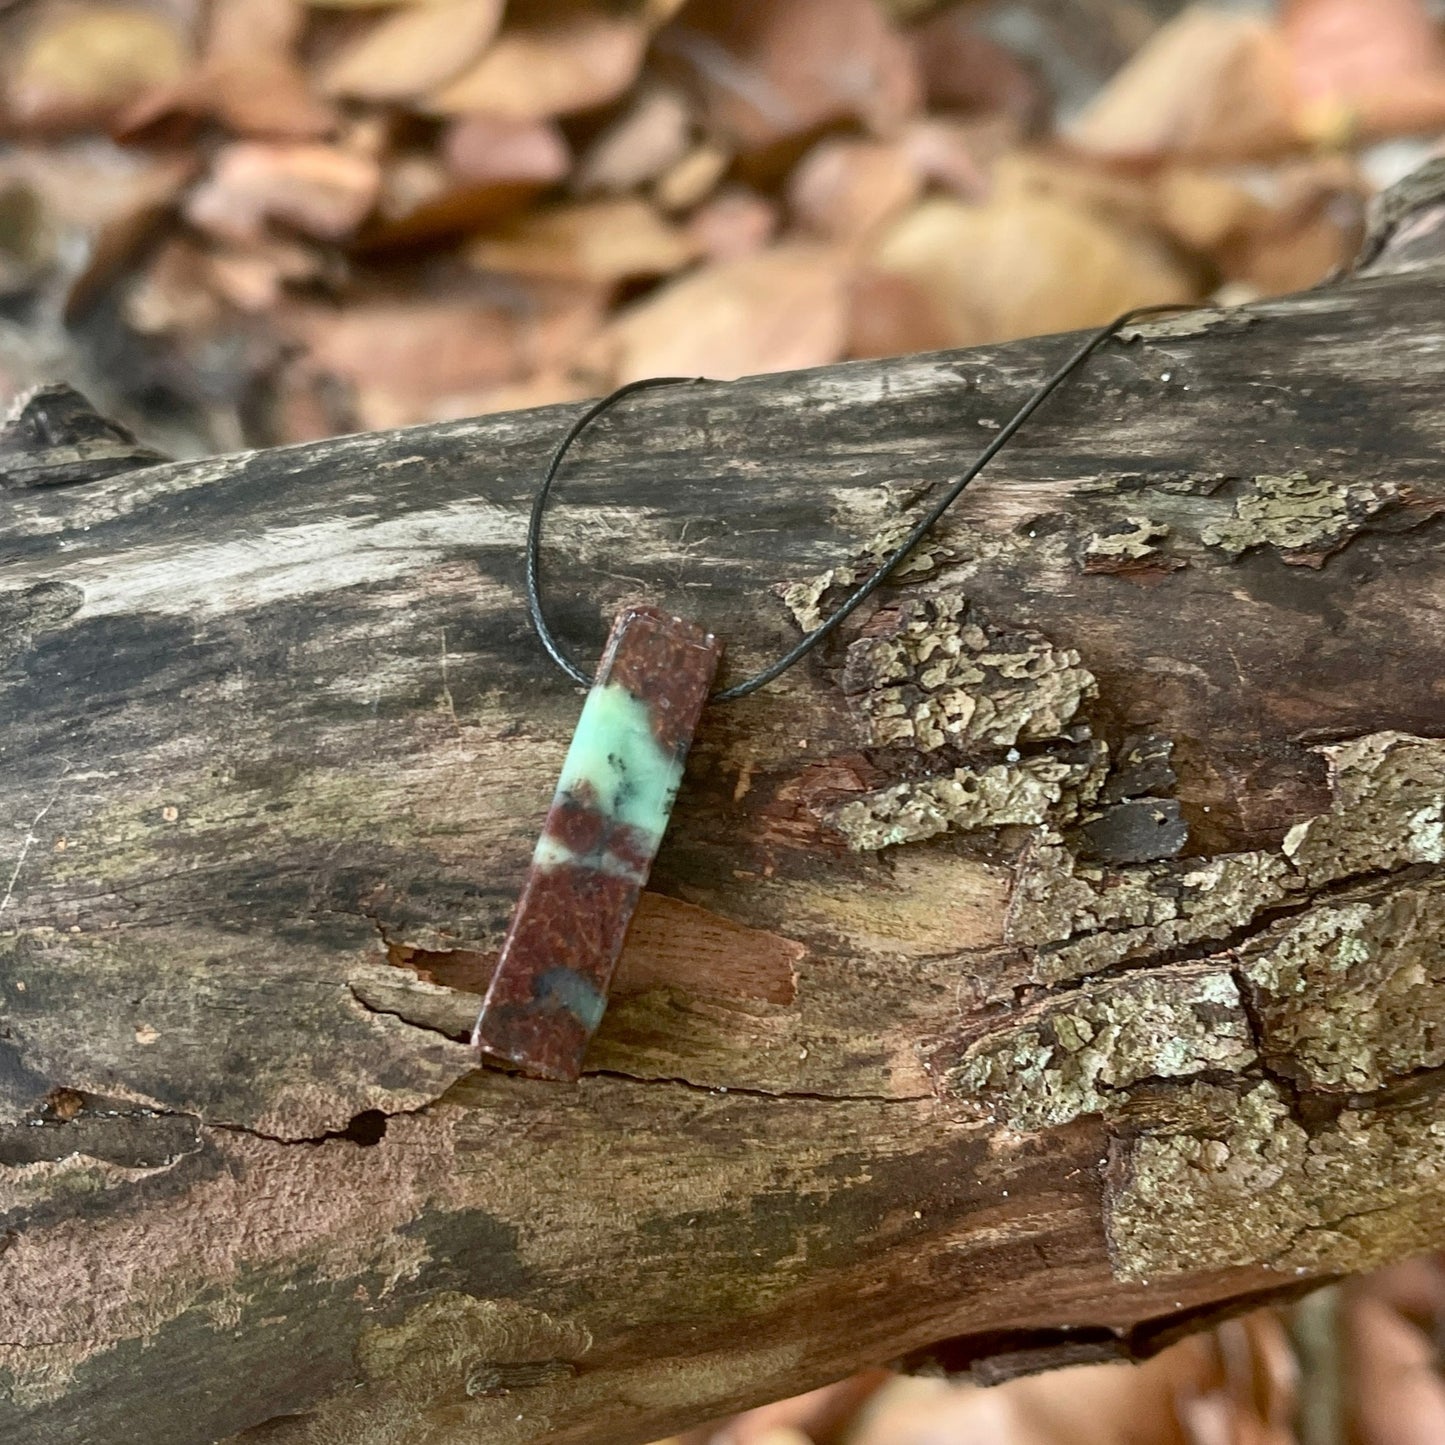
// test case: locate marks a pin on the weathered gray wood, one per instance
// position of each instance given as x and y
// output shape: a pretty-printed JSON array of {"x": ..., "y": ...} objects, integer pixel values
[{"x": 924, "y": 1042}]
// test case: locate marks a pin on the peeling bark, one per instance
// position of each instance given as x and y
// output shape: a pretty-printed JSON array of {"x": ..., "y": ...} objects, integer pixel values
[{"x": 1047, "y": 967}]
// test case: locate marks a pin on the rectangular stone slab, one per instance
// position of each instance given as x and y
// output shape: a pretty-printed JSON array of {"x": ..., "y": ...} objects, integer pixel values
[{"x": 602, "y": 832}]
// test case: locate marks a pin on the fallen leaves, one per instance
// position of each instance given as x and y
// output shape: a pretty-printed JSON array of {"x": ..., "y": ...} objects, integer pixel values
[
  {"x": 393, "y": 361},
  {"x": 412, "y": 50},
  {"x": 561, "y": 59},
  {"x": 781, "y": 309},
  {"x": 1211, "y": 85},
  {"x": 1365, "y": 70},
  {"x": 1025, "y": 262},
  {"x": 766, "y": 73},
  {"x": 321, "y": 191},
  {"x": 1399, "y": 1393},
  {"x": 250, "y": 78},
  {"x": 598, "y": 241},
  {"x": 82, "y": 67},
  {"x": 650, "y": 137},
  {"x": 845, "y": 189},
  {"x": 675, "y": 185}
]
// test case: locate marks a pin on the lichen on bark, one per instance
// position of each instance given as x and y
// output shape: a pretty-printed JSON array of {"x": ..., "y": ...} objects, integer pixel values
[
  {"x": 1076, "y": 918},
  {"x": 1075, "y": 1054},
  {"x": 1351, "y": 994},
  {"x": 933, "y": 671},
  {"x": 1236, "y": 1179},
  {"x": 1303, "y": 518},
  {"x": 804, "y": 599},
  {"x": 1028, "y": 791},
  {"x": 930, "y": 673},
  {"x": 1314, "y": 970}
]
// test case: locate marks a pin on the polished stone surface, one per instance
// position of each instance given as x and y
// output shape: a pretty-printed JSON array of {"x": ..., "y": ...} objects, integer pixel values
[{"x": 602, "y": 832}]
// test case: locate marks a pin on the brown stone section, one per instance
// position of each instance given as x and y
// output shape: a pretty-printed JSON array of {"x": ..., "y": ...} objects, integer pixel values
[
  {"x": 549, "y": 990},
  {"x": 661, "y": 663}
]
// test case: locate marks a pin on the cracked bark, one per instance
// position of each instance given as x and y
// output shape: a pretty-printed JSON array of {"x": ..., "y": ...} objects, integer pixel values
[{"x": 276, "y": 743}]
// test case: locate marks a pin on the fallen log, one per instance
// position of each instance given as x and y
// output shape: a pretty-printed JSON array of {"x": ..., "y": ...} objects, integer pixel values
[{"x": 1049, "y": 967}]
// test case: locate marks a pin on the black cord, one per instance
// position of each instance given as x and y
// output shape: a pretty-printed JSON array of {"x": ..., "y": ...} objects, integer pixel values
[{"x": 864, "y": 590}]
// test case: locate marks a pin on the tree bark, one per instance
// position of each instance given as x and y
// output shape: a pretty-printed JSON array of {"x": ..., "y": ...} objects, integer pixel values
[{"x": 1050, "y": 966}]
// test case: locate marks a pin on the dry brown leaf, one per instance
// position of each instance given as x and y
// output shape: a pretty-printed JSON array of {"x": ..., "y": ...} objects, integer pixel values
[
  {"x": 83, "y": 66},
  {"x": 172, "y": 295},
  {"x": 892, "y": 315},
  {"x": 1211, "y": 85},
  {"x": 249, "y": 79},
  {"x": 963, "y": 70},
  {"x": 1205, "y": 209},
  {"x": 1278, "y": 232},
  {"x": 1399, "y": 1396},
  {"x": 321, "y": 191},
  {"x": 1273, "y": 1369},
  {"x": 1313, "y": 228},
  {"x": 406, "y": 361},
  {"x": 1253, "y": 1400},
  {"x": 1024, "y": 264},
  {"x": 693, "y": 178},
  {"x": 844, "y": 189},
  {"x": 424, "y": 198},
  {"x": 649, "y": 138},
  {"x": 562, "y": 60},
  {"x": 136, "y": 211},
  {"x": 736, "y": 222},
  {"x": 767, "y": 72},
  {"x": 368, "y": 4},
  {"x": 412, "y": 51},
  {"x": 491, "y": 150},
  {"x": 597, "y": 241},
  {"x": 1214, "y": 1418},
  {"x": 781, "y": 309},
  {"x": 255, "y": 278},
  {"x": 1375, "y": 69},
  {"x": 487, "y": 169},
  {"x": 1415, "y": 1288},
  {"x": 958, "y": 155},
  {"x": 252, "y": 81}
]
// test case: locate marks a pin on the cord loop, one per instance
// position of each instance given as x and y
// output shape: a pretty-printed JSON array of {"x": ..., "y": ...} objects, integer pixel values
[{"x": 874, "y": 581}]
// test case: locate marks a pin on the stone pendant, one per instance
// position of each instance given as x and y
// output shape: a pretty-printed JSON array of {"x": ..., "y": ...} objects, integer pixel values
[{"x": 602, "y": 832}]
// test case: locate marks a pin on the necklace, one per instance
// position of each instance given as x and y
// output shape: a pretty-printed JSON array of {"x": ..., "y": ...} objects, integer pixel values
[{"x": 623, "y": 768}]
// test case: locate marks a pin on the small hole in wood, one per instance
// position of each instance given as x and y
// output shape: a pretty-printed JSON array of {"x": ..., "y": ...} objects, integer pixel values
[{"x": 366, "y": 1128}]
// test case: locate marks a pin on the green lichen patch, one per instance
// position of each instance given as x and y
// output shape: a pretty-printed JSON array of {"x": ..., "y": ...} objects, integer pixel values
[
  {"x": 1347, "y": 990},
  {"x": 805, "y": 599},
  {"x": 1129, "y": 544},
  {"x": 936, "y": 672},
  {"x": 1075, "y": 1054},
  {"x": 1077, "y": 918},
  {"x": 1388, "y": 812},
  {"x": 1351, "y": 994},
  {"x": 1303, "y": 518},
  {"x": 1243, "y": 1182},
  {"x": 1031, "y": 790}
]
